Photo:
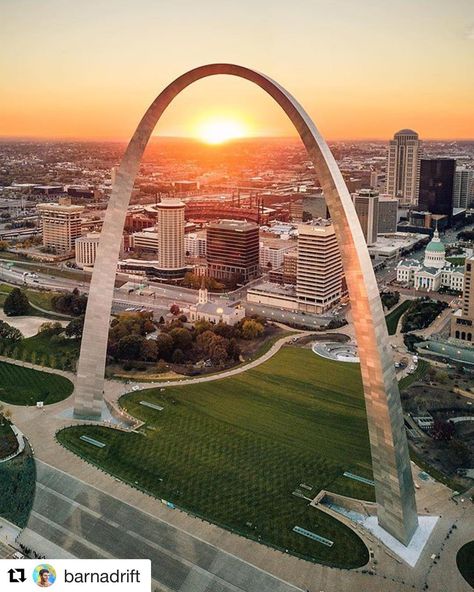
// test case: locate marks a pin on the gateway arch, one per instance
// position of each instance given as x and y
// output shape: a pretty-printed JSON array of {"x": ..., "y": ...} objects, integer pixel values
[{"x": 394, "y": 488}]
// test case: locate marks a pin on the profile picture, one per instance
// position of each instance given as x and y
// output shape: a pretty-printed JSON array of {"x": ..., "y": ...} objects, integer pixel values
[{"x": 44, "y": 575}]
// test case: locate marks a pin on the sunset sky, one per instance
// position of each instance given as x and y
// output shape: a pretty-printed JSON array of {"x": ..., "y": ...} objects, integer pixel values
[{"x": 362, "y": 69}]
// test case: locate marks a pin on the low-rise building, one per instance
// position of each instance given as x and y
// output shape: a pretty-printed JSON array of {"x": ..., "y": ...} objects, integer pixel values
[{"x": 215, "y": 311}]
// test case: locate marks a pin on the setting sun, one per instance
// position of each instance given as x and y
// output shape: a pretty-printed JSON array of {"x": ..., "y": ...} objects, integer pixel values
[{"x": 218, "y": 130}]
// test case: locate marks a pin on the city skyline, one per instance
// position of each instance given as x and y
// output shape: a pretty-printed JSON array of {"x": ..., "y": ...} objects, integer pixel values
[{"x": 68, "y": 73}]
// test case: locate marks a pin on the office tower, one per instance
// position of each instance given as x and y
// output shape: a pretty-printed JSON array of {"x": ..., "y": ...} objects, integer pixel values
[
  {"x": 233, "y": 250},
  {"x": 403, "y": 166},
  {"x": 290, "y": 267},
  {"x": 319, "y": 267},
  {"x": 170, "y": 227},
  {"x": 463, "y": 190},
  {"x": 388, "y": 214},
  {"x": 366, "y": 203},
  {"x": 462, "y": 322},
  {"x": 61, "y": 225},
  {"x": 436, "y": 186},
  {"x": 86, "y": 249},
  {"x": 315, "y": 204}
]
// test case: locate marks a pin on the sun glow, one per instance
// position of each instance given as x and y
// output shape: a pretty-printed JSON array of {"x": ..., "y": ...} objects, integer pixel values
[{"x": 217, "y": 130}]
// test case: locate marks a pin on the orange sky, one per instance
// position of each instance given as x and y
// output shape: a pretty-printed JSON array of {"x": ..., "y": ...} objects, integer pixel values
[{"x": 361, "y": 69}]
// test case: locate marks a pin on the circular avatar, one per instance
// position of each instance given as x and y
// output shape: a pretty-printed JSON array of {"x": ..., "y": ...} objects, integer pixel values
[{"x": 44, "y": 575}]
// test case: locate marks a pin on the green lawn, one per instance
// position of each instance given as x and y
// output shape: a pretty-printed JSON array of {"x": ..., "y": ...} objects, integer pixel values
[
  {"x": 43, "y": 350},
  {"x": 234, "y": 450},
  {"x": 24, "y": 386},
  {"x": 393, "y": 317},
  {"x": 456, "y": 260},
  {"x": 40, "y": 298},
  {"x": 465, "y": 563},
  {"x": 409, "y": 379}
]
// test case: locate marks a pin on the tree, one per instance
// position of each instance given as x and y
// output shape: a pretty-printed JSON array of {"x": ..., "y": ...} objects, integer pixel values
[
  {"x": 174, "y": 310},
  {"x": 224, "y": 330},
  {"x": 182, "y": 338},
  {"x": 149, "y": 350},
  {"x": 75, "y": 327},
  {"x": 165, "y": 345},
  {"x": 9, "y": 332},
  {"x": 202, "y": 327},
  {"x": 129, "y": 347},
  {"x": 16, "y": 303},
  {"x": 73, "y": 303},
  {"x": 178, "y": 356},
  {"x": 51, "y": 328},
  {"x": 251, "y": 329},
  {"x": 233, "y": 350}
]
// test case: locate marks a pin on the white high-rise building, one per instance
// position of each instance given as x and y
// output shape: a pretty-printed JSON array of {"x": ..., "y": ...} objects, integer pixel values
[
  {"x": 366, "y": 202},
  {"x": 403, "y": 167},
  {"x": 195, "y": 244},
  {"x": 86, "y": 249},
  {"x": 170, "y": 227},
  {"x": 319, "y": 267},
  {"x": 463, "y": 190}
]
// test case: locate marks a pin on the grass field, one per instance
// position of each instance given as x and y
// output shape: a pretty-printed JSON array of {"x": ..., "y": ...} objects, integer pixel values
[
  {"x": 456, "y": 260},
  {"x": 409, "y": 379},
  {"x": 234, "y": 450},
  {"x": 393, "y": 317},
  {"x": 40, "y": 298},
  {"x": 465, "y": 563},
  {"x": 24, "y": 386}
]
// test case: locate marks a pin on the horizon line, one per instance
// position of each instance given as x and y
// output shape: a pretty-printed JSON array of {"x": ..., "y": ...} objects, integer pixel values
[{"x": 33, "y": 138}]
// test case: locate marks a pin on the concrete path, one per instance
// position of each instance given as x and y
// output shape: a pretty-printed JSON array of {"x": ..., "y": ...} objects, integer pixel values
[
  {"x": 27, "y": 324},
  {"x": 82, "y": 521}
]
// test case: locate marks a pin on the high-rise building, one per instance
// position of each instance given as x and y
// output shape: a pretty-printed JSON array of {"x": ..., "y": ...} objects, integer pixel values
[
  {"x": 403, "y": 166},
  {"x": 462, "y": 322},
  {"x": 170, "y": 227},
  {"x": 388, "y": 214},
  {"x": 195, "y": 244},
  {"x": 436, "y": 186},
  {"x": 319, "y": 267},
  {"x": 463, "y": 190},
  {"x": 61, "y": 225},
  {"x": 233, "y": 250},
  {"x": 86, "y": 249},
  {"x": 366, "y": 202}
]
